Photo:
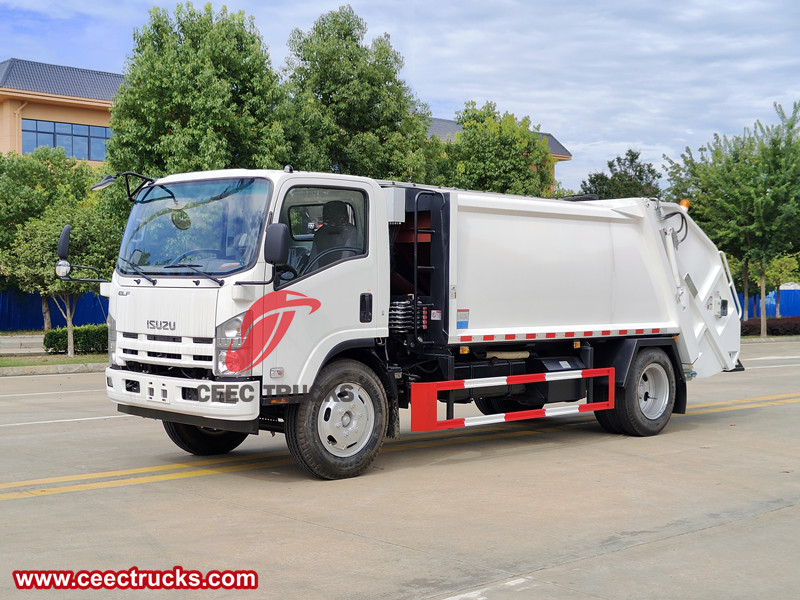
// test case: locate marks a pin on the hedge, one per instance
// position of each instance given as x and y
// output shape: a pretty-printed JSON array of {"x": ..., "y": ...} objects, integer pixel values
[
  {"x": 782, "y": 326},
  {"x": 89, "y": 339}
]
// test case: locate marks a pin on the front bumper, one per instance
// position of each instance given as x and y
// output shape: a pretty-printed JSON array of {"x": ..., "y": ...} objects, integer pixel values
[{"x": 237, "y": 400}]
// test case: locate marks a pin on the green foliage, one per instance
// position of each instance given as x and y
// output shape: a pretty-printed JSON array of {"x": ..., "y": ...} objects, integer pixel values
[
  {"x": 776, "y": 326},
  {"x": 39, "y": 191},
  {"x": 740, "y": 270},
  {"x": 348, "y": 109},
  {"x": 199, "y": 93},
  {"x": 493, "y": 153},
  {"x": 28, "y": 184},
  {"x": 97, "y": 222},
  {"x": 629, "y": 178},
  {"x": 744, "y": 190},
  {"x": 89, "y": 339},
  {"x": 95, "y": 241},
  {"x": 782, "y": 269}
]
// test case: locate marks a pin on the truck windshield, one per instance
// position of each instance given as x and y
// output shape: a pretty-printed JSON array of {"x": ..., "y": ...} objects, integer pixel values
[{"x": 178, "y": 229}]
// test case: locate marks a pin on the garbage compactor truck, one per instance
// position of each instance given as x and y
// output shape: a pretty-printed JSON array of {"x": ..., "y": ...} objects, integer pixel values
[{"x": 318, "y": 305}]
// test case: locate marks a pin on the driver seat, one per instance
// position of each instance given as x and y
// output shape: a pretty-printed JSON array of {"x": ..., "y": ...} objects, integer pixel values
[{"x": 336, "y": 232}]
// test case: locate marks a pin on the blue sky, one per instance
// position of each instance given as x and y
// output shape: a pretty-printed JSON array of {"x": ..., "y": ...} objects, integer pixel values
[{"x": 600, "y": 76}]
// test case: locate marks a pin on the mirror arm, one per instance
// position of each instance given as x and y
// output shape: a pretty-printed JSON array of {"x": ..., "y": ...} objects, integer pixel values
[{"x": 81, "y": 279}]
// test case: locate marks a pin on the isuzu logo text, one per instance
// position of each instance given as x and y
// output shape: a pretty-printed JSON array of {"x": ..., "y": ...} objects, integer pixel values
[{"x": 161, "y": 325}]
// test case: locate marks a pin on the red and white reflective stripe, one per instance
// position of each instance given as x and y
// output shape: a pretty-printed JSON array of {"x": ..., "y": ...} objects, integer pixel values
[
  {"x": 424, "y": 399},
  {"x": 554, "y": 411},
  {"x": 562, "y": 335}
]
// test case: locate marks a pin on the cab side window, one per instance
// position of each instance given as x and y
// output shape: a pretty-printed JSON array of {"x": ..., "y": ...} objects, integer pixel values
[{"x": 327, "y": 225}]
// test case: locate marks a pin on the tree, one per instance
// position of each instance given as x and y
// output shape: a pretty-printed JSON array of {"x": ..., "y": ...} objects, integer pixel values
[
  {"x": 348, "y": 109},
  {"x": 745, "y": 192},
  {"x": 743, "y": 279},
  {"x": 719, "y": 185},
  {"x": 28, "y": 184},
  {"x": 629, "y": 178},
  {"x": 495, "y": 153},
  {"x": 199, "y": 93},
  {"x": 779, "y": 271},
  {"x": 97, "y": 228}
]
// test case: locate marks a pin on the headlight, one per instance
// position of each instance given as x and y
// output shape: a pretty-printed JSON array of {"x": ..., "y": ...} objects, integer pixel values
[
  {"x": 112, "y": 339},
  {"x": 228, "y": 339}
]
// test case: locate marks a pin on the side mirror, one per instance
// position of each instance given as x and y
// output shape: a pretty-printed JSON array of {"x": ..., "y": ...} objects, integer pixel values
[
  {"x": 63, "y": 243},
  {"x": 276, "y": 244},
  {"x": 63, "y": 269}
]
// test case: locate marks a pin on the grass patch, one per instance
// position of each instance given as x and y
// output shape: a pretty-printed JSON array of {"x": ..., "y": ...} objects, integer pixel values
[
  {"x": 51, "y": 359},
  {"x": 22, "y": 332}
]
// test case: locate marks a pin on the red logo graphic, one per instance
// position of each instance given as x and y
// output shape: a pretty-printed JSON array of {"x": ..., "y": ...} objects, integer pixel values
[{"x": 264, "y": 326}]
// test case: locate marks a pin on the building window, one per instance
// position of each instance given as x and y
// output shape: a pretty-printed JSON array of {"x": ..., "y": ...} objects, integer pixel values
[{"x": 84, "y": 142}]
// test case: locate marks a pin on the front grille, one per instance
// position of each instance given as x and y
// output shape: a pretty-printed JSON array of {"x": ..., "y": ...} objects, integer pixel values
[
  {"x": 165, "y": 352},
  {"x": 164, "y": 355},
  {"x": 164, "y": 338}
]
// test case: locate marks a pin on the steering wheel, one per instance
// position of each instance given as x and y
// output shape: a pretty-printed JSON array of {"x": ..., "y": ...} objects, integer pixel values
[
  {"x": 327, "y": 252},
  {"x": 287, "y": 268},
  {"x": 214, "y": 254}
]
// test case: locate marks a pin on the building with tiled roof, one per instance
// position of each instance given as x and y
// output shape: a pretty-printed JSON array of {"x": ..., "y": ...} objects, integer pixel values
[{"x": 52, "y": 105}]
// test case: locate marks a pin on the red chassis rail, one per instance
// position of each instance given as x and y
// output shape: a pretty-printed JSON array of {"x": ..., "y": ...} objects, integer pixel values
[{"x": 424, "y": 399}]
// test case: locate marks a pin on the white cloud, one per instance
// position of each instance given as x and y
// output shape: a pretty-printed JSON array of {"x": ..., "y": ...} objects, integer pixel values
[{"x": 601, "y": 77}]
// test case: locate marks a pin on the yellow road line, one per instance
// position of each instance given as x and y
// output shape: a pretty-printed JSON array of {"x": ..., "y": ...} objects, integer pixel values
[
  {"x": 252, "y": 462},
  {"x": 743, "y": 406},
  {"x": 123, "y": 472},
  {"x": 97, "y": 485},
  {"x": 758, "y": 399},
  {"x": 272, "y": 459}
]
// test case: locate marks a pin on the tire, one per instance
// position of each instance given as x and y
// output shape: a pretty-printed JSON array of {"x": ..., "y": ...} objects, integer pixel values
[
  {"x": 203, "y": 441},
  {"x": 608, "y": 418},
  {"x": 487, "y": 406},
  {"x": 494, "y": 406},
  {"x": 645, "y": 406},
  {"x": 339, "y": 430}
]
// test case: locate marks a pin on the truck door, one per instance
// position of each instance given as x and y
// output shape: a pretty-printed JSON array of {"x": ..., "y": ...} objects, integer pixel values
[{"x": 333, "y": 281}]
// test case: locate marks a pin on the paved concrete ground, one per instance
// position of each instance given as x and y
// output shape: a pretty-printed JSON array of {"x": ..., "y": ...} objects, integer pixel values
[
  {"x": 545, "y": 509},
  {"x": 32, "y": 345},
  {"x": 12, "y": 345}
]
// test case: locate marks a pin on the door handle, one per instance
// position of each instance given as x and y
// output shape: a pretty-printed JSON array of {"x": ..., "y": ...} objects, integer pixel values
[{"x": 366, "y": 308}]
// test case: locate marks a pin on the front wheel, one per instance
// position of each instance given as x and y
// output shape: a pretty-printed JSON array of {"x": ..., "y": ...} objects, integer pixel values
[
  {"x": 338, "y": 431},
  {"x": 203, "y": 441},
  {"x": 645, "y": 405}
]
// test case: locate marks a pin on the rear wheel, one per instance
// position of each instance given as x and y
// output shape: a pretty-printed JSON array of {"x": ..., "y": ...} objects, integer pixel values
[
  {"x": 645, "y": 406},
  {"x": 608, "y": 418},
  {"x": 340, "y": 429},
  {"x": 203, "y": 441}
]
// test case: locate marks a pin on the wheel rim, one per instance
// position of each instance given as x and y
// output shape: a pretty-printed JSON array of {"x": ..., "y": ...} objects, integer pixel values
[
  {"x": 344, "y": 424},
  {"x": 653, "y": 391}
]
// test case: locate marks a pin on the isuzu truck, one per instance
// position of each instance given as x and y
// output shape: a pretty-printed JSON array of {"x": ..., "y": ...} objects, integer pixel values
[{"x": 318, "y": 305}]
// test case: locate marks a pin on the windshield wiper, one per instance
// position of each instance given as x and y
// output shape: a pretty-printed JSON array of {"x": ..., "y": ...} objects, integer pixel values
[
  {"x": 196, "y": 269},
  {"x": 138, "y": 270}
]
